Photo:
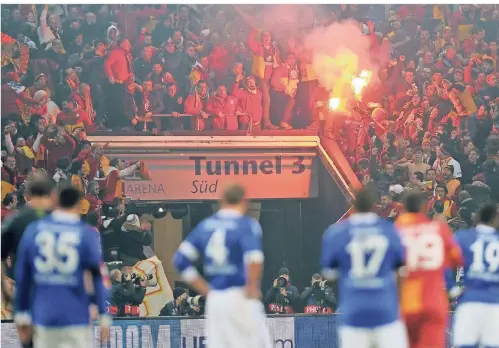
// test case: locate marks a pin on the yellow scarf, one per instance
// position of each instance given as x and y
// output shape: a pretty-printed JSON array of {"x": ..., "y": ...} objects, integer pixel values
[{"x": 27, "y": 152}]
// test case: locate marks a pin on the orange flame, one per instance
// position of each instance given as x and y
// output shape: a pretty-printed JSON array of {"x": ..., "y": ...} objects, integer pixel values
[
  {"x": 359, "y": 82},
  {"x": 334, "y": 103}
]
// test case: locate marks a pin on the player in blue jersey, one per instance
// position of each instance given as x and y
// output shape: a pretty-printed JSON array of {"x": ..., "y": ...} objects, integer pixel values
[
  {"x": 56, "y": 258},
  {"x": 364, "y": 253},
  {"x": 476, "y": 320},
  {"x": 229, "y": 245}
]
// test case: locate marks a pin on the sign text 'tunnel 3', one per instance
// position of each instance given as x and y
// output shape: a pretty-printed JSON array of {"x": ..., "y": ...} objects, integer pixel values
[{"x": 178, "y": 177}]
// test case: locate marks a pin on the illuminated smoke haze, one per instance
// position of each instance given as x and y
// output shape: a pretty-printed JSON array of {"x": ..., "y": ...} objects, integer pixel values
[{"x": 339, "y": 53}]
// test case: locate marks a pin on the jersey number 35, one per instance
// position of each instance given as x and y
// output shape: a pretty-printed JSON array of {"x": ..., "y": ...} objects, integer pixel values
[{"x": 57, "y": 253}]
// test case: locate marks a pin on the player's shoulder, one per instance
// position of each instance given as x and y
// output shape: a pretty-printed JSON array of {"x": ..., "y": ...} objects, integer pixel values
[
  {"x": 465, "y": 234},
  {"x": 31, "y": 231},
  {"x": 36, "y": 225},
  {"x": 337, "y": 230},
  {"x": 249, "y": 223}
]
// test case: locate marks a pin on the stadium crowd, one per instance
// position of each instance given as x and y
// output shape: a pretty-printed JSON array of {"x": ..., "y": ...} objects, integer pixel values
[
  {"x": 429, "y": 121},
  {"x": 433, "y": 120}
]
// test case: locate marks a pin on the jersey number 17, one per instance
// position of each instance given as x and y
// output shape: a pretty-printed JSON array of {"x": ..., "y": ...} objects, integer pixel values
[{"x": 367, "y": 255}]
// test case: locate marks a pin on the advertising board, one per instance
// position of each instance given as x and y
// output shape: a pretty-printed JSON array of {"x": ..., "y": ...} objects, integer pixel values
[{"x": 300, "y": 331}]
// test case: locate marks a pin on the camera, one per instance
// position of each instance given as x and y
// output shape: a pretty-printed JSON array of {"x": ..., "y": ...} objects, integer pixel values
[
  {"x": 282, "y": 282},
  {"x": 321, "y": 285},
  {"x": 196, "y": 301},
  {"x": 327, "y": 284},
  {"x": 137, "y": 280}
]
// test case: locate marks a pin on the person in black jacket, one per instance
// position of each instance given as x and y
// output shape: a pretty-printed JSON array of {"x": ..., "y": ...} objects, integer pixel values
[
  {"x": 471, "y": 167},
  {"x": 148, "y": 102},
  {"x": 178, "y": 306},
  {"x": 282, "y": 297},
  {"x": 143, "y": 65},
  {"x": 319, "y": 297},
  {"x": 482, "y": 127},
  {"x": 126, "y": 291},
  {"x": 133, "y": 238},
  {"x": 173, "y": 103},
  {"x": 111, "y": 232}
]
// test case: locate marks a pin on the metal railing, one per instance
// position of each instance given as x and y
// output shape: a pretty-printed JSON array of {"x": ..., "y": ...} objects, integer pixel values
[{"x": 249, "y": 131}]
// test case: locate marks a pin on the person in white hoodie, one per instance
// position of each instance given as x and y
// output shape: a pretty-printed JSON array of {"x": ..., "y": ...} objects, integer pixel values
[
  {"x": 113, "y": 34},
  {"x": 45, "y": 107}
]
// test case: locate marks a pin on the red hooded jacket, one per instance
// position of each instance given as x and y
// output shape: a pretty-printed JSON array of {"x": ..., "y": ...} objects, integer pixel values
[{"x": 228, "y": 106}]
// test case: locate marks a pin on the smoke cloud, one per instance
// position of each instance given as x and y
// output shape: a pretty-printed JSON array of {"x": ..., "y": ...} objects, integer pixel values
[
  {"x": 339, "y": 53},
  {"x": 284, "y": 21}
]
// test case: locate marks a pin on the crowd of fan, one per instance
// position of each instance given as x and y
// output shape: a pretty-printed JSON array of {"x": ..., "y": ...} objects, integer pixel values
[
  {"x": 69, "y": 70},
  {"x": 434, "y": 118}
]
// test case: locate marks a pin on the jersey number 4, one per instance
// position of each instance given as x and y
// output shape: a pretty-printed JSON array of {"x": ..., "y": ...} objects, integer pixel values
[
  {"x": 359, "y": 249},
  {"x": 216, "y": 248},
  {"x": 485, "y": 253},
  {"x": 57, "y": 253}
]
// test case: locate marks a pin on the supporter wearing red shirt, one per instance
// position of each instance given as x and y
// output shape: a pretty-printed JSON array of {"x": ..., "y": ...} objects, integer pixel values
[
  {"x": 388, "y": 209},
  {"x": 196, "y": 103},
  {"x": 226, "y": 110},
  {"x": 475, "y": 43},
  {"x": 219, "y": 59},
  {"x": 250, "y": 101},
  {"x": 9, "y": 204},
  {"x": 13, "y": 94},
  {"x": 96, "y": 160},
  {"x": 118, "y": 64},
  {"x": 92, "y": 202},
  {"x": 10, "y": 173},
  {"x": 113, "y": 182},
  {"x": 72, "y": 115},
  {"x": 83, "y": 98},
  {"x": 58, "y": 144},
  {"x": 431, "y": 250},
  {"x": 450, "y": 208},
  {"x": 402, "y": 86}
]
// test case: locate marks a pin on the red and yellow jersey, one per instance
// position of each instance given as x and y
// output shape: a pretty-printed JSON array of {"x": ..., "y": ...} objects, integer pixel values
[{"x": 430, "y": 251}]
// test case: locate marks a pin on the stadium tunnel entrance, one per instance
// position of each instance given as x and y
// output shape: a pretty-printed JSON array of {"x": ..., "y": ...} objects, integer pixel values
[{"x": 294, "y": 204}]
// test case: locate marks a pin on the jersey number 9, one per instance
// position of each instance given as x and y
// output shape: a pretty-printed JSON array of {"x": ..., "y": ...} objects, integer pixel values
[{"x": 424, "y": 251}]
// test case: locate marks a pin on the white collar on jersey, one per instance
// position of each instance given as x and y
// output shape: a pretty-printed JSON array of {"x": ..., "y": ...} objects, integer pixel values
[
  {"x": 485, "y": 229},
  {"x": 228, "y": 212},
  {"x": 363, "y": 218},
  {"x": 61, "y": 215}
]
